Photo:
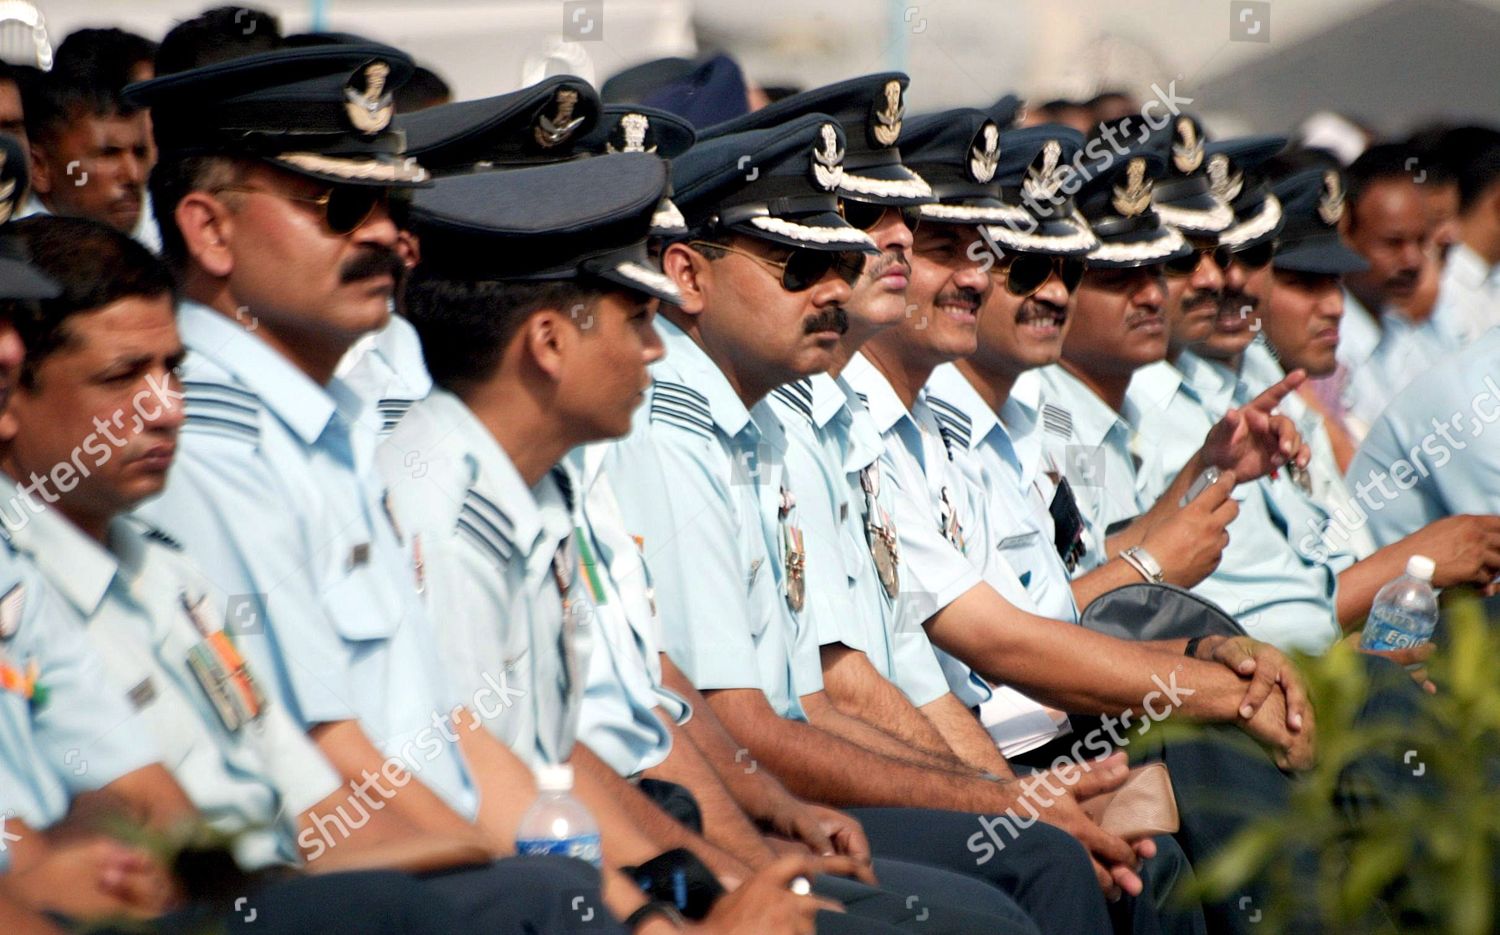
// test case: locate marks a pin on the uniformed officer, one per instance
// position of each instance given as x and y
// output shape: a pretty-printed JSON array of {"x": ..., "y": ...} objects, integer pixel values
[
  {"x": 287, "y": 252},
  {"x": 545, "y": 122},
  {"x": 833, "y": 453}
]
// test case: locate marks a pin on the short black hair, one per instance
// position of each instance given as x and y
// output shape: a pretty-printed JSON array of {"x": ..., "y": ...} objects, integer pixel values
[
  {"x": 94, "y": 265},
  {"x": 54, "y": 100},
  {"x": 1381, "y": 162},
  {"x": 1477, "y": 166},
  {"x": 172, "y": 178},
  {"x": 1296, "y": 159},
  {"x": 425, "y": 88},
  {"x": 217, "y": 35},
  {"x": 465, "y": 325},
  {"x": 116, "y": 48}
]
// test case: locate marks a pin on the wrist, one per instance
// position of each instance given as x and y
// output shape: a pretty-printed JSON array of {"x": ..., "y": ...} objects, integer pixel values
[
  {"x": 655, "y": 917},
  {"x": 1144, "y": 563}
]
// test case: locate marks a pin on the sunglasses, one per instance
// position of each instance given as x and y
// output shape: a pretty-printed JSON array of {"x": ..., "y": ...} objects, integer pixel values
[
  {"x": 1028, "y": 272},
  {"x": 345, "y": 208},
  {"x": 1187, "y": 265},
  {"x": 802, "y": 269},
  {"x": 867, "y": 217},
  {"x": 1256, "y": 257}
]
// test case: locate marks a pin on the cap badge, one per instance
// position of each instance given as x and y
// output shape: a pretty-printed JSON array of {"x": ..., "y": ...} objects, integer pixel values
[
  {"x": 984, "y": 155},
  {"x": 828, "y": 159},
  {"x": 551, "y": 131},
  {"x": 1224, "y": 183},
  {"x": 369, "y": 110},
  {"x": 1331, "y": 205},
  {"x": 631, "y": 131},
  {"x": 1042, "y": 179},
  {"x": 7, "y": 193},
  {"x": 887, "y": 125},
  {"x": 1134, "y": 197},
  {"x": 1187, "y": 155}
]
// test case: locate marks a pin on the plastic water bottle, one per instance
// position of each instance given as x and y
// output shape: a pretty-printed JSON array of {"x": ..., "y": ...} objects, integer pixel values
[
  {"x": 1405, "y": 611},
  {"x": 557, "y": 823}
]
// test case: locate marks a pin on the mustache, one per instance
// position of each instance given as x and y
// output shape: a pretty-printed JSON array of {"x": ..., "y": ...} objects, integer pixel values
[
  {"x": 830, "y": 319},
  {"x": 1034, "y": 308},
  {"x": 1230, "y": 303},
  {"x": 372, "y": 262},
  {"x": 961, "y": 296},
  {"x": 883, "y": 264},
  {"x": 1202, "y": 297}
]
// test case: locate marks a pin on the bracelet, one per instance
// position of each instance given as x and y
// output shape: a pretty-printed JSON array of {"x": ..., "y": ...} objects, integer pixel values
[
  {"x": 655, "y": 908},
  {"x": 1143, "y": 562},
  {"x": 1192, "y": 647}
]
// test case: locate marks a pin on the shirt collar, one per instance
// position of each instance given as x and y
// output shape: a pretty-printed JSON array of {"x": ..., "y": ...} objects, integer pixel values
[
  {"x": 1155, "y": 385},
  {"x": 880, "y": 398},
  {"x": 287, "y": 392},
  {"x": 949, "y": 387},
  {"x": 828, "y": 399},
  {"x": 401, "y": 351},
  {"x": 77, "y": 567},
  {"x": 1466, "y": 267},
  {"x": 865, "y": 444}
]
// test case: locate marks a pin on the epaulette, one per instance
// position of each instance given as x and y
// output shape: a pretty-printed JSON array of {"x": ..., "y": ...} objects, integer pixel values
[
  {"x": 682, "y": 406},
  {"x": 391, "y": 412},
  {"x": 953, "y": 423},
  {"x": 221, "y": 409},
  {"x": 1057, "y": 420},
  {"x": 483, "y": 523},
  {"x": 151, "y": 532},
  {"x": 797, "y": 395}
]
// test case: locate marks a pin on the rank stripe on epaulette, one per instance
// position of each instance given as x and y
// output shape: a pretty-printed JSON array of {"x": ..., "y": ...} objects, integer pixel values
[
  {"x": 1057, "y": 420},
  {"x": 682, "y": 406},
  {"x": 201, "y": 389},
  {"x": 952, "y": 421},
  {"x": 230, "y": 428},
  {"x": 482, "y": 541},
  {"x": 489, "y": 511},
  {"x": 795, "y": 400}
]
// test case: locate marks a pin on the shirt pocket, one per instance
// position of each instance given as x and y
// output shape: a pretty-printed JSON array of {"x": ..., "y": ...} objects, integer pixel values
[{"x": 361, "y": 608}]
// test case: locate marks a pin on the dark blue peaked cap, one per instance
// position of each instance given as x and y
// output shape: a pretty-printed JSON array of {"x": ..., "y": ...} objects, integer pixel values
[
  {"x": 323, "y": 111},
  {"x": 1313, "y": 202},
  {"x": 545, "y": 122},
  {"x": 958, "y": 153},
  {"x": 588, "y": 218},
  {"x": 635, "y": 128},
  {"x": 1183, "y": 196},
  {"x": 870, "y": 110},
  {"x": 712, "y": 92},
  {"x": 778, "y": 184},
  {"x": 18, "y": 278},
  {"x": 1116, "y": 200},
  {"x": 1006, "y": 110},
  {"x": 1037, "y": 178},
  {"x": 1235, "y": 177}
]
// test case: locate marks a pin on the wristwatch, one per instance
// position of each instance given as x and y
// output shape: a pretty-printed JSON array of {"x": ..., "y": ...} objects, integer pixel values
[
  {"x": 1143, "y": 562},
  {"x": 655, "y": 908}
]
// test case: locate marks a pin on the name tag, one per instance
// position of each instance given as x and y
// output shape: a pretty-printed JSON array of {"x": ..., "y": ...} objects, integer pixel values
[{"x": 1017, "y": 541}]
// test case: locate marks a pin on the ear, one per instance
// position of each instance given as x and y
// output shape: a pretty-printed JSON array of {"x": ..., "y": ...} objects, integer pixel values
[
  {"x": 409, "y": 247},
  {"x": 207, "y": 227},
  {"x": 548, "y": 334},
  {"x": 41, "y": 173},
  {"x": 688, "y": 269}
]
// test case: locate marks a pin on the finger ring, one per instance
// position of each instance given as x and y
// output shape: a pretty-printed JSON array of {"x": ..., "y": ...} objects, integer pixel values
[{"x": 800, "y": 886}]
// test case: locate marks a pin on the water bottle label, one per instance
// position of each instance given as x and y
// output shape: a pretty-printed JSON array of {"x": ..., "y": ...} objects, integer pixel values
[
  {"x": 1389, "y": 628},
  {"x": 585, "y": 847}
]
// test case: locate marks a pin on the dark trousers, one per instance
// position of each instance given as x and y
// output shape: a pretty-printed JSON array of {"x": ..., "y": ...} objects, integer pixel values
[
  {"x": 1043, "y": 869},
  {"x": 922, "y": 901}
]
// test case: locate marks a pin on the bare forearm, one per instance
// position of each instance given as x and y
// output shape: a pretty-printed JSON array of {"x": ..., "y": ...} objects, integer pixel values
[
  {"x": 724, "y": 823},
  {"x": 16, "y": 919},
  {"x": 825, "y": 768},
  {"x": 824, "y": 716},
  {"x": 857, "y": 690},
  {"x": 1359, "y": 583},
  {"x": 1115, "y": 573},
  {"x": 965, "y": 735},
  {"x": 1076, "y": 669},
  {"x": 353, "y": 756}
]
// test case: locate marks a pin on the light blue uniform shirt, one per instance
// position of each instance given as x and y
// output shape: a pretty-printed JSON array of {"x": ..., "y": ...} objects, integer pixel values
[
  {"x": 1108, "y": 468},
  {"x": 496, "y": 559},
  {"x": 386, "y": 370},
  {"x": 1006, "y": 465},
  {"x": 145, "y": 609},
  {"x": 700, "y": 478},
  {"x": 1406, "y": 350},
  {"x": 619, "y": 720},
  {"x": 1279, "y": 593},
  {"x": 833, "y": 455},
  {"x": 275, "y": 496},
  {"x": 1468, "y": 301},
  {"x": 1435, "y": 451},
  {"x": 75, "y": 733}
]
